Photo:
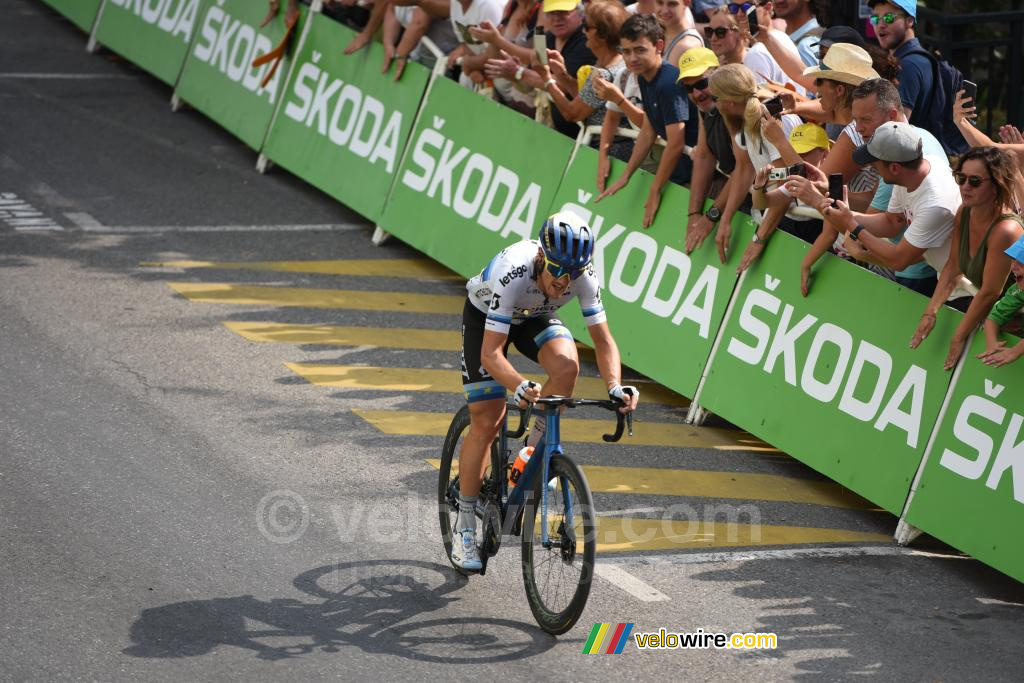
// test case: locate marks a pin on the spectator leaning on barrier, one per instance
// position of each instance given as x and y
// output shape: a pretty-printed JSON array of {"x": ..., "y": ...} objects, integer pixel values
[
  {"x": 471, "y": 55},
  {"x": 1007, "y": 311},
  {"x": 509, "y": 49},
  {"x": 665, "y": 110},
  {"x": 924, "y": 198},
  {"x": 567, "y": 52},
  {"x": 713, "y": 160},
  {"x": 622, "y": 99},
  {"x": 739, "y": 101},
  {"x": 810, "y": 142},
  {"x": 986, "y": 221},
  {"x": 876, "y": 102}
]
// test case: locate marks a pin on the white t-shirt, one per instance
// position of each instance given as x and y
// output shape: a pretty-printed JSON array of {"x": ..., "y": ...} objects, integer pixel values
[
  {"x": 763, "y": 153},
  {"x": 764, "y": 66},
  {"x": 929, "y": 211},
  {"x": 462, "y": 20}
]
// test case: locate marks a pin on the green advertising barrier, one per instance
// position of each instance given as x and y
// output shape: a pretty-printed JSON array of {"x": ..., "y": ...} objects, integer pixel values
[
  {"x": 830, "y": 379},
  {"x": 971, "y": 490},
  {"x": 343, "y": 125},
  {"x": 218, "y": 78},
  {"x": 153, "y": 35},
  {"x": 476, "y": 176},
  {"x": 664, "y": 306},
  {"x": 82, "y": 13}
]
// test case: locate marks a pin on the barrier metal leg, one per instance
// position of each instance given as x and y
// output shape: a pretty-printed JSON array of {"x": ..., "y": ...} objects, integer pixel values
[
  {"x": 696, "y": 415},
  {"x": 906, "y": 533},
  {"x": 176, "y": 103},
  {"x": 92, "y": 46},
  {"x": 263, "y": 163},
  {"x": 379, "y": 236}
]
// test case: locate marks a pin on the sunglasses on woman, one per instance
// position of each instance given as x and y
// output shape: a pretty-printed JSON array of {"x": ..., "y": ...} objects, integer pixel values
[
  {"x": 972, "y": 180},
  {"x": 720, "y": 32},
  {"x": 737, "y": 7},
  {"x": 559, "y": 271},
  {"x": 699, "y": 85},
  {"x": 888, "y": 18}
]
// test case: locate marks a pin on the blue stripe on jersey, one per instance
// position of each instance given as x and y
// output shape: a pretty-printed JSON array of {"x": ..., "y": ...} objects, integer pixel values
[
  {"x": 483, "y": 391},
  {"x": 587, "y": 312},
  {"x": 499, "y": 318},
  {"x": 486, "y": 275},
  {"x": 550, "y": 333}
]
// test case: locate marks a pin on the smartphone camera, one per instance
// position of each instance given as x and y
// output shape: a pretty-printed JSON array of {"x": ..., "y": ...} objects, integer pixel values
[
  {"x": 752, "y": 21},
  {"x": 835, "y": 187},
  {"x": 774, "y": 106},
  {"x": 798, "y": 169}
]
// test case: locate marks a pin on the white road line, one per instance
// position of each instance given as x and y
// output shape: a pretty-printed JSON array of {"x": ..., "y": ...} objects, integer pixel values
[
  {"x": 781, "y": 554},
  {"x": 142, "y": 229},
  {"x": 622, "y": 579},
  {"x": 27, "y": 75},
  {"x": 83, "y": 220},
  {"x": 629, "y": 511}
]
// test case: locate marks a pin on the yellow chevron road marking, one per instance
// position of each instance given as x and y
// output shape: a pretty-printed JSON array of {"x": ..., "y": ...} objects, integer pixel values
[
  {"x": 335, "y": 335},
  {"x": 392, "y": 337},
  {"x": 704, "y": 484},
  {"x": 624, "y": 534},
  {"x": 447, "y": 381},
  {"x": 224, "y": 293},
  {"x": 403, "y": 268},
  {"x": 410, "y": 423}
]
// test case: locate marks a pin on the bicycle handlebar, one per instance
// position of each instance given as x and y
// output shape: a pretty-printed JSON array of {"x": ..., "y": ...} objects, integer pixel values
[{"x": 621, "y": 420}]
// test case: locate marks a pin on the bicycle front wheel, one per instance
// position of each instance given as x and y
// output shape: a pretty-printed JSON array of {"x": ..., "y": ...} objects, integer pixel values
[{"x": 558, "y": 577}]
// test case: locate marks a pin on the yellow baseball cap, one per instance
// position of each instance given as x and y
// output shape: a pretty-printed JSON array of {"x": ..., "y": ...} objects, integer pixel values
[
  {"x": 808, "y": 136},
  {"x": 560, "y": 5},
  {"x": 695, "y": 62}
]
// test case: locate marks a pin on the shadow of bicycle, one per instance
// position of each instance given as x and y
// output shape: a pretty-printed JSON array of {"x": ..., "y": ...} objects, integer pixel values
[{"x": 372, "y": 605}]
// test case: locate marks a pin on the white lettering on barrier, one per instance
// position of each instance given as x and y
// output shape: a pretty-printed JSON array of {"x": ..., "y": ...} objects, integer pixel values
[
  {"x": 471, "y": 184},
  {"x": 343, "y": 114},
  {"x": 661, "y": 265},
  {"x": 1010, "y": 455},
  {"x": 229, "y": 46},
  {"x": 774, "y": 335},
  {"x": 176, "y": 17}
]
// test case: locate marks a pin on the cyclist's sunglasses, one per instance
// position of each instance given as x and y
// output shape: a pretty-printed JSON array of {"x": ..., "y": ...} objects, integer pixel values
[
  {"x": 721, "y": 31},
  {"x": 699, "y": 85},
  {"x": 888, "y": 17},
  {"x": 559, "y": 271},
  {"x": 972, "y": 180}
]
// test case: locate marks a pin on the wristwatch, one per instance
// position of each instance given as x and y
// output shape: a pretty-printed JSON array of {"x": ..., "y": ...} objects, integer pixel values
[
  {"x": 855, "y": 232},
  {"x": 714, "y": 214}
]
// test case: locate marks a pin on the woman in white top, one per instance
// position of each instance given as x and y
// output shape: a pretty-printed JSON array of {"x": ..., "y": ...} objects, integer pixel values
[{"x": 733, "y": 45}]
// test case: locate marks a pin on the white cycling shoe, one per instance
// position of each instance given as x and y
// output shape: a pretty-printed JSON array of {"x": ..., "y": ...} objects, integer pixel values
[{"x": 464, "y": 552}]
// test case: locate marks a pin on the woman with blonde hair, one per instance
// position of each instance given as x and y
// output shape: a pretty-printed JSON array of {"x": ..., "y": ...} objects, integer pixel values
[{"x": 758, "y": 140}]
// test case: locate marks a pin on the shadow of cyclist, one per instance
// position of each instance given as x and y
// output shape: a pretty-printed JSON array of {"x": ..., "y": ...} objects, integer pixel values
[{"x": 371, "y": 605}]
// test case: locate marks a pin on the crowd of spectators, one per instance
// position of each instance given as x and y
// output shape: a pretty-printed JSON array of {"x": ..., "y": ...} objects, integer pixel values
[{"x": 760, "y": 108}]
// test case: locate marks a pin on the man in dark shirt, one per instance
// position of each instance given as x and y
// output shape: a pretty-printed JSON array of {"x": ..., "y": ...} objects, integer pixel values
[
  {"x": 564, "y": 20},
  {"x": 642, "y": 41},
  {"x": 916, "y": 79}
]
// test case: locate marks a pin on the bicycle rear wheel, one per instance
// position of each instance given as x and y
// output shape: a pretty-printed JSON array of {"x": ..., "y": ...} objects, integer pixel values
[
  {"x": 448, "y": 480},
  {"x": 558, "y": 578}
]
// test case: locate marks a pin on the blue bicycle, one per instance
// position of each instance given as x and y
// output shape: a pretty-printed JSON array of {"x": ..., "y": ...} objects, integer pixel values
[{"x": 557, "y": 521}]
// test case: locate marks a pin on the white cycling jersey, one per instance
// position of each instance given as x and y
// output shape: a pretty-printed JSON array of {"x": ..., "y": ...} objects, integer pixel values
[{"x": 507, "y": 292}]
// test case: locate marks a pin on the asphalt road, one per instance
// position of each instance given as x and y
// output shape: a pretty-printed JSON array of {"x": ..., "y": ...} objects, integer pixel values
[{"x": 178, "y": 503}]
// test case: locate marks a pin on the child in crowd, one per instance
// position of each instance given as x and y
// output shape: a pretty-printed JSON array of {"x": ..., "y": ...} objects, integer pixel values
[{"x": 996, "y": 352}]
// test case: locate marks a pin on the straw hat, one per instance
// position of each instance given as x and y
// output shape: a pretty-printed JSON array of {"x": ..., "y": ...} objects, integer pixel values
[{"x": 845, "y": 63}]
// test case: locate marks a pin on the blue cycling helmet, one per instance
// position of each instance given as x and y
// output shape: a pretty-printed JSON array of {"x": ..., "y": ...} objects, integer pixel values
[{"x": 567, "y": 240}]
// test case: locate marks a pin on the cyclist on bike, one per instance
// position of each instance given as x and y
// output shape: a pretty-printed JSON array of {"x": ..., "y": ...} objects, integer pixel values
[{"x": 514, "y": 300}]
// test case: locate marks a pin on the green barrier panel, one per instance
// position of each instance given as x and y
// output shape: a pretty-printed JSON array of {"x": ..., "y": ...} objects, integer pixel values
[
  {"x": 218, "y": 78},
  {"x": 82, "y": 13},
  {"x": 831, "y": 379},
  {"x": 971, "y": 492},
  {"x": 664, "y": 307},
  {"x": 343, "y": 125},
  {"x": 476, "y": 177},
  {"x": 153, "y": 35}
]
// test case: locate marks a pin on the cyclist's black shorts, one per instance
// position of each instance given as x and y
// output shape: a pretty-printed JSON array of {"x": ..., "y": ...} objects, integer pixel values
[{"x": 529, "y": 337}]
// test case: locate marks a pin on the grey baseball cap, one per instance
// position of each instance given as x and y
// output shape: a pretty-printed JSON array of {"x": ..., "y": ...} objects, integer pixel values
[{"x": 891, "y": 142}]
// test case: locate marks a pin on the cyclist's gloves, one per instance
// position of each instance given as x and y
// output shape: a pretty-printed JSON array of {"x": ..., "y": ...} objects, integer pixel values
[
  {"x": 521, "y": 390},
  {"x": 622, "y": 393}
]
